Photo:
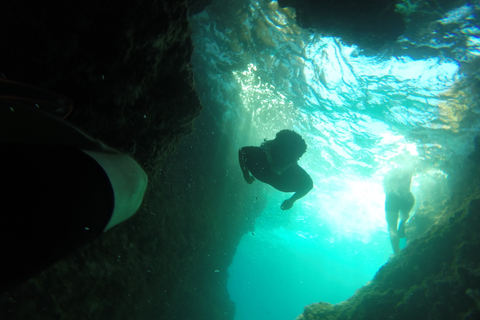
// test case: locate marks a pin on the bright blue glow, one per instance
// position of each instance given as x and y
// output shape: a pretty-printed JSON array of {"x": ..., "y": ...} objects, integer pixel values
[
  {"x": 320, "y": 251},
  {"x": 360, "y": 116}
]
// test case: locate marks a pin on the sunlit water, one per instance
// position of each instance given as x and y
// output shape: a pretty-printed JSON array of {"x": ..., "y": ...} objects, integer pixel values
[{"x": 258, "y": 73}]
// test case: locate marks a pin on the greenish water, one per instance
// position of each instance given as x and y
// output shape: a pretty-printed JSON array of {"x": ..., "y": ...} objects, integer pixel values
[{"x": 257, "y": 73}]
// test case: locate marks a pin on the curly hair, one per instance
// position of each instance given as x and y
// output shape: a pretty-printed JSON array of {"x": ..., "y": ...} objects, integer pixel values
[{"x": 288, "y": 146}]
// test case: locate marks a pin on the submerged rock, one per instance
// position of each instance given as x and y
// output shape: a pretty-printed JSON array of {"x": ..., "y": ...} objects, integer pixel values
[
  {"x": 435, "y": 277},
  {"x": 125, "y": 66},
  {"x": 368, "y": 24}
]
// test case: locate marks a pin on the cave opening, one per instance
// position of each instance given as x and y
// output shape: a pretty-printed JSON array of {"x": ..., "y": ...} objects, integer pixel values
[{"x": 258, "y": 72}]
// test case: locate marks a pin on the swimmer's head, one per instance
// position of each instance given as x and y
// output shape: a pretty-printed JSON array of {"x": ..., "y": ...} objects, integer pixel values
[{"x": 287, "y": 147}]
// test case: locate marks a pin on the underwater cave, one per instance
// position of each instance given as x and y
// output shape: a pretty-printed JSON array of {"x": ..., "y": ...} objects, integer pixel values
[{"x": 181, "y": 86}]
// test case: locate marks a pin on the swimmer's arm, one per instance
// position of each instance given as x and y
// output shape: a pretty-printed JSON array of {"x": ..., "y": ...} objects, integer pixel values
[
  {"x": 287, "y": 204},
  {"x": 23, "y": 125},
  {"x": 243, "y": 166},
  {"x": 299, "y": 194}
]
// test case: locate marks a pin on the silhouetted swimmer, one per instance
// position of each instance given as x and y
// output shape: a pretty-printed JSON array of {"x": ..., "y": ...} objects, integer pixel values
[
  {"x": 60, "y": 189},
  {"x": 275, "y": 163},
  {"x": 398, "y": 200}
]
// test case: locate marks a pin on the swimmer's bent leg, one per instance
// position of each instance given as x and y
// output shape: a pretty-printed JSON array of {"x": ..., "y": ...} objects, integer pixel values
[
  {"x": 55, "y": 199},
  {"x": 128, "y": 181}
]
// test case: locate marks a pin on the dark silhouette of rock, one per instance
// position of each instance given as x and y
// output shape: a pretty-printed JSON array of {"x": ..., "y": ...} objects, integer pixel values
[{"x": 367, "y": 24}]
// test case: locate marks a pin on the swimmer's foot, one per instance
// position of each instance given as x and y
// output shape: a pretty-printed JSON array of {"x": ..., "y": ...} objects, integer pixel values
[{"x": 401, "y": 230}]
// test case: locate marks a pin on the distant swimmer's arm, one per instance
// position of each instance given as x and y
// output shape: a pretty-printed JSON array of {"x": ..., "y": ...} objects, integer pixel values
[
  {"x": 23, "y": 125},
  {"x": 287, "y": 204},
  {"x": 243, "y": 166}
]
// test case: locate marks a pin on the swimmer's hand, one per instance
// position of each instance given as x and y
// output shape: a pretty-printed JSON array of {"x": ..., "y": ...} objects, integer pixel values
[
  {"x": 249, "y": 179},
  {"x": 287, "y": 204}
]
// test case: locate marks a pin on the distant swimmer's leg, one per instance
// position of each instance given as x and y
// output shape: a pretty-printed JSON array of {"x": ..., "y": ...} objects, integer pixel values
[
  {"x": 407, "y": 205},
  {"x": 401, "y": 228},
  {"x": 404, "y": 215},
  {"x": 391, "y": 215},
  {"x": 392, "y": 221}
]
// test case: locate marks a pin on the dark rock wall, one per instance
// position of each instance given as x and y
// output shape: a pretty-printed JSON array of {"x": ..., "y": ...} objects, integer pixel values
[{"x": 126, "y": 66}]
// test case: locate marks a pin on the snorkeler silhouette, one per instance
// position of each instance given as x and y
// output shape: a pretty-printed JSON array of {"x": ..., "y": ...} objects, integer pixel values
[
  {"x": 398, "y": 199},
  {"x": 275, "y": 163},
  {"x": 60, "y": 189}
]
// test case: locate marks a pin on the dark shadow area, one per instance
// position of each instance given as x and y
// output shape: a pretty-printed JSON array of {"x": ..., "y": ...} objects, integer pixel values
[{"x": 126, "y": 67}]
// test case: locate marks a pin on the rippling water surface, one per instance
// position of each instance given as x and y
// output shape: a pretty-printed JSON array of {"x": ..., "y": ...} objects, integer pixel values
[{"x": 414, "y": 102}]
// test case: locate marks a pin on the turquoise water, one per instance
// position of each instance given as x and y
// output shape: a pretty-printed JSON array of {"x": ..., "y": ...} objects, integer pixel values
[{"x": 258, "y": 72}]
